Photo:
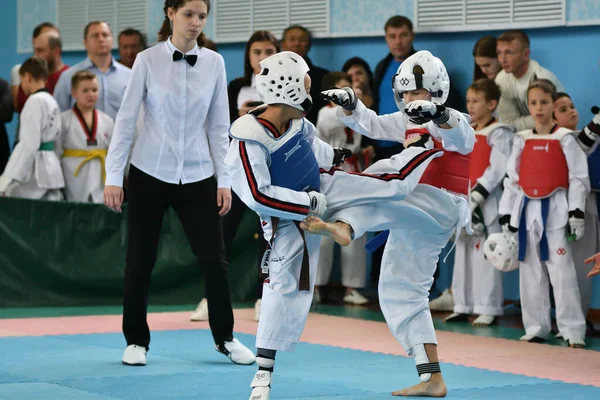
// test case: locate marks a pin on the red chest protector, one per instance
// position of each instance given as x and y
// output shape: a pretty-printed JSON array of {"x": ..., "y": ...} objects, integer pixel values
[
  {"x": 543, "y": 168},
  {"x": 450, "y": 171},
  {"x": 480, "y": 158}
]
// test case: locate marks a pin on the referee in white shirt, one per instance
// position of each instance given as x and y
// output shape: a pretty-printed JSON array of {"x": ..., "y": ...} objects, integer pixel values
[{"x": 178, "y": 161}]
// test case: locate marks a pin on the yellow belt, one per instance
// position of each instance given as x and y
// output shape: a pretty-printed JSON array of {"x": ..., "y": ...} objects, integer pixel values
[{"x": 88, "y": 155}]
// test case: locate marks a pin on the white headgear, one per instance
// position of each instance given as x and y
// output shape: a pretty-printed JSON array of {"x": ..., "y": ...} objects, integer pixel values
[
  {"x": 281, "y": 81},
  {"x": 435, "y": 78},
  {"x": 502, "y": 251}
]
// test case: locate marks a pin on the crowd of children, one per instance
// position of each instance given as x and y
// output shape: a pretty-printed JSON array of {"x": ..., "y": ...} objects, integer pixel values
[{"x": 60, "y": 156}]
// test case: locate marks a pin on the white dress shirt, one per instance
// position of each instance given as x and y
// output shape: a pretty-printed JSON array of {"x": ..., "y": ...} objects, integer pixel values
[{"x": 184, "y": 136}]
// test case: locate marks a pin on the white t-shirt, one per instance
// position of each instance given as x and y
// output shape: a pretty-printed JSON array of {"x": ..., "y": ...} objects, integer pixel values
[
  {"x": 248, "y": 93},
  {"x": 15, "y": 78}
]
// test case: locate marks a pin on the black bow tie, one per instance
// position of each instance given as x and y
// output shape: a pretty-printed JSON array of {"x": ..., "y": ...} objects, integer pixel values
[{"x": 190, "y": 58}]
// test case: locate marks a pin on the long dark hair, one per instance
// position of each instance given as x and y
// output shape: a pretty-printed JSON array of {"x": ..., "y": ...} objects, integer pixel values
[
  {"x": 166, "y": 31},
  {"x": 485, "y": 47},
  {"x": 362, "y": 63},
  {"x": 258, "y": 36}
]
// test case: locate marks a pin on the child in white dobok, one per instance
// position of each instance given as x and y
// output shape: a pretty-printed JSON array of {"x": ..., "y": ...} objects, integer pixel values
[
  {"x": 421, "y": 224},
  {"x": 544, "y": 199},
  {"x": 83, "y": 143},
  {"x": 33, "y": 170},
  {"x": 476, "y": 284}
]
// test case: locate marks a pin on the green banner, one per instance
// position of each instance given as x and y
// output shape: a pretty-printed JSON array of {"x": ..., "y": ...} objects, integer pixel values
[{"x": 68, "y": 254}]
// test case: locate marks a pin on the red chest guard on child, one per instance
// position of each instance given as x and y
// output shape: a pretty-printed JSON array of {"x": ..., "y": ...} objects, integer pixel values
[
  {"x": 450, "y": 171},
  {"x": 543, "y": 168},
  {"x": 480, "y": 158}
]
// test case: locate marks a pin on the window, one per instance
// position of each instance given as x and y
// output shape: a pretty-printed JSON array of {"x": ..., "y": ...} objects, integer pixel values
[
  {"x": 472, "y": 15},
  {"x": 235, "y": 20}
]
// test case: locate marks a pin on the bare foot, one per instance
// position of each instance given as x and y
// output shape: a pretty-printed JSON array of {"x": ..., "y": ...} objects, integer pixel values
[
  {"x": 340, "y": 232},
  {"x": 576, "y": 344},
  {"x": 434, "y": 388}
]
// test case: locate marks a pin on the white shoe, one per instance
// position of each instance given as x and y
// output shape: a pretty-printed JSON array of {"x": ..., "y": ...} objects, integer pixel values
[
  {"x": 443, "y": 303},
  {"x": 257, "y": 310},
  {"x": 355, "y": 298},
  {"x": 201, "y": 312},
  {"x": 261, "y": 386},
  {"x": 134, "y": 355},
  {"x": 484, "y": 320},
  {"x": 237, "y": 352}
]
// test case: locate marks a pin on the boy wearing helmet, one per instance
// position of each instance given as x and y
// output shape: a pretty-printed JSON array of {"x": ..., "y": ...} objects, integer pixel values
[
  {"x": 436, "y": 208},
  {"x": 274, "y": 161}
]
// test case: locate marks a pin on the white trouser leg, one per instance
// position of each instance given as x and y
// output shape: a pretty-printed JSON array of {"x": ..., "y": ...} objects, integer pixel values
[
  {"x": 534, "y": 289},
  {"x": 561, "y": 270},
  {"x": 462, "y": 279},
  {"x": 487, "y": 280},
  {"x": 325, "y": 261},
  {"x": 354, "y": 263},
  {"x": 408, "y": 264},
  {"x": 284, "y": 308},
  {"x": 582, "y": 249}
]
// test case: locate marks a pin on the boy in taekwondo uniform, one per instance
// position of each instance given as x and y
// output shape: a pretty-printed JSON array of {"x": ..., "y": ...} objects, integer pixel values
[
  {"x": 274, "y": 161},
  {"x": 84, "y": 140},
  {"x": 33, "y": 170},
  {"x": 426, "y": 219}
]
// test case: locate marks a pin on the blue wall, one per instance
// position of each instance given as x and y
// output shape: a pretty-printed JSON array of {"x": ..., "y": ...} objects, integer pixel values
[{"x": 572, "y": 53}]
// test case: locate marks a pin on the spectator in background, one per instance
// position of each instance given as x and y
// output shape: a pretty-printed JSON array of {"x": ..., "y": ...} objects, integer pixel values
[
  {"x": 486, "y": 59},
  {"x": 6, "y": 114},
  {"x": 362, "y": 84},
  {"x": 565, "y": 115},
  {"x": 131, "y": 42},
  {"x": 243, "y": 97},
  {"x": 33, "y": 170},
  {"x": 362, "y": 79},
  {"x": 112, "y": 76},
  {"x": 49, "y": 47},
  {"x": 298, "y": 39},
  {"x": 44, "y": 51},
  {"x": 83, "y": 142},
  {"x": 518, "y": 72}
]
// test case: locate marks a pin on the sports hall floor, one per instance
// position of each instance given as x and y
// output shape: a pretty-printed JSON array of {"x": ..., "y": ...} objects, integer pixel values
[{"x": 347, "y": 353}]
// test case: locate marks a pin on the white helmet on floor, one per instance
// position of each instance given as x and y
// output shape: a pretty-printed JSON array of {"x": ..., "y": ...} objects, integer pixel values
[
  {"x": 502, "y": 251},
  {"x": 281, "y": 81},
  {"x": 434, "y": 78}
]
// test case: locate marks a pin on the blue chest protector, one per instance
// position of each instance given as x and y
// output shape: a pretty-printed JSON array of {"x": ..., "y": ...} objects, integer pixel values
[
  {"x": 292, "y": 163},
  {"x": 594, "y": 169}
]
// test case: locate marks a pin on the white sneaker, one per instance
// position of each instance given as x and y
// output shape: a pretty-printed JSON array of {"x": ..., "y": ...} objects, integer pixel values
[
  {"x": 443, "y": 303},
  {"x": 134, "y": 355},
  {"x": 237, "y": 352},
  {"x": 261, "y": 385},
  {"x": 257, "y": 310},
  {"x": 355, "y": 298},
  {"x": 201, "y": 312}
]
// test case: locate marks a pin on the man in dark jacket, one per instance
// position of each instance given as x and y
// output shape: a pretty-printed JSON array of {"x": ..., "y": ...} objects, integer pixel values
[{"x": 298, "y": 39}]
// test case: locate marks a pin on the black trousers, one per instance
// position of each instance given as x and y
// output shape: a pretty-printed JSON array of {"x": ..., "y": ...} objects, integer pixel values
[
  {"x": 196, "y": 207},
  {"x": 231, "y": 223}
]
